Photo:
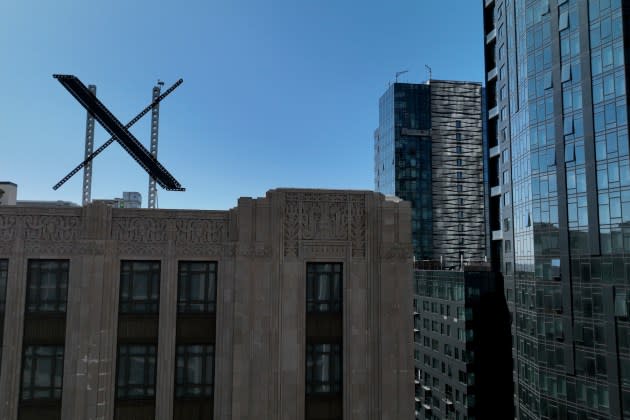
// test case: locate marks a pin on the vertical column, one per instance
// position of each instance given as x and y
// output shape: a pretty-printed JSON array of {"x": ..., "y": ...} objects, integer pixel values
[
  {"x": 12, "y": 340},
  {"x": 106, "y": 392},
  {"x": 155, "y": 117},
  {"x": 396, "y": 294},
  {"x": 166, "y": 338},
  {"x": 224, "y": 357},
  {"x": 89, "y": 147}
]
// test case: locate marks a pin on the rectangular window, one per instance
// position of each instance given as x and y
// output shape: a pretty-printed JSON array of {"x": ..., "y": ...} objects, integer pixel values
[
  {"x": 4, "y": 269},
  {"x": 47, "y": 289},
  {"x": 136, "y": 371},
  {"x": 197, "y": 287},
  {"x": 42, "y": 373},
  {"x": 323, "y": 368},
  {"x": 139, "y": 286},
  {"x": 323, "y": 287},
  {"x": 195, "y": 371},
  {"x": 458, "y": 124}
]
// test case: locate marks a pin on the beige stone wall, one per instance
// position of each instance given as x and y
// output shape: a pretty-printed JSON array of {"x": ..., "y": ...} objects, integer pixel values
[{"x": 262, "y": 247}]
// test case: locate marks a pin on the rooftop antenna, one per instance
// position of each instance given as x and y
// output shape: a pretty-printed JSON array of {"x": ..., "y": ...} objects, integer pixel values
[
  {"x": 89, "y": 148},
  {"x": 155, "y": 119},
  {"x": 398, "y": 73},
  {"x": 429, "y": 72}
]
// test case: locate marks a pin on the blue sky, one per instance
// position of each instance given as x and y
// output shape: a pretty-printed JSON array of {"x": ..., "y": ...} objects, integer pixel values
[{"x": 276, "y": 93}]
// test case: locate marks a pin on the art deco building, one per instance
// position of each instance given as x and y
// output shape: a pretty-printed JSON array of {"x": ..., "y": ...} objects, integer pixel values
[
  {"x": 292, "y": 306},
  {"x": 559, "y": 172},
  {"x": 428, "y": 150}
]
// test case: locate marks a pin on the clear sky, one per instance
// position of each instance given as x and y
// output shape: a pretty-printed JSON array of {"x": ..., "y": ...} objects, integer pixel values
[{"x": 276, "y": 93}]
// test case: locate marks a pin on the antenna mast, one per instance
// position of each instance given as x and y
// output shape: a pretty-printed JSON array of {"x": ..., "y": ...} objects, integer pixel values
[
  {"x": 89, "y": 147},
  {"x": 398, "y": 73},
  {"x": 155, "y": 119},
  {"x": 429, "y": 73}
]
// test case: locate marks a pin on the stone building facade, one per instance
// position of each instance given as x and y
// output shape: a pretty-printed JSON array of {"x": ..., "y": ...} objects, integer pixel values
[{"x": 100, "y": 294}]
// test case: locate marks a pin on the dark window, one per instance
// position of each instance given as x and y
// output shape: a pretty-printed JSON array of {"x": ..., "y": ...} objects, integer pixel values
[
  {"x": 323, "y": 368},
  {"x": 458, "y": 123},
  {"x": 139, "y": 286},
  {"x": 136, "y": 371},
  {"x": 197, "y": 287},
  {"x": 195, "y": 370},
  {"x": 42, "y": 373},
  {"x": 323, "y": 287},
  {"x": 4, "y": 268},
  {"x": 47, "y": 286}
]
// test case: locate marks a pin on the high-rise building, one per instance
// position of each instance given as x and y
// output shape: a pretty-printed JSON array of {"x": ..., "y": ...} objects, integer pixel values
[
  {"x": 559, "y": 173},
  {"x": 461, "y": 345},
  {"x": 428, "y": 150},
  {"x": 280, "y": 308}
]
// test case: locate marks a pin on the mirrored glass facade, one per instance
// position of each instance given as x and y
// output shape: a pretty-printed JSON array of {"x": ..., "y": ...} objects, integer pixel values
[
  {"x": 428, "y": 151},
  {"x": 559, "y": 175}
]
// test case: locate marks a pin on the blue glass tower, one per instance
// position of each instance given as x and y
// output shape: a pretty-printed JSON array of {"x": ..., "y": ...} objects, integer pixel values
[
  {"x": 428, "y": 150},
  {"x": 559, "y": 174}
]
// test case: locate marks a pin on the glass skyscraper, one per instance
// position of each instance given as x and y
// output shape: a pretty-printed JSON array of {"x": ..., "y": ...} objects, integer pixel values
[
  {"x": 559, "y": 206},
  {"x": 428, "y": 150}
]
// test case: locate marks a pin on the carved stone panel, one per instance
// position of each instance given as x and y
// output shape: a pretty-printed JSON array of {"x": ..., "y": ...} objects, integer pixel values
[
  {"x": 51, "y": 227},
  {"x": 312, "y": 216},
  {"x": 139, "y": 229},
  {"x": 7, "y": 227},
  {"x": 324, "y": 251},
  {"x": 200, "y": 231}
]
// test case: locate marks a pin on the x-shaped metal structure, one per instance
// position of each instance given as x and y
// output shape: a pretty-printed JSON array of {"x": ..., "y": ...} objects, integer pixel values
[{"x": 119, "y": 132}]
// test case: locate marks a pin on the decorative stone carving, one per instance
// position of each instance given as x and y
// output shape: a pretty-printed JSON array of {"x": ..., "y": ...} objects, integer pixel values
[
  {"x": 358, "y": 226},
  {"x": 7, "y": 227},
  {"x": 199, "y": 231},
  {"x": 291, "y": 225},
  {"x": 139, "y": 248},
  {"x": 324, "y": 217},
  {"x": 196, "y": 250},
  {"x": 324, "y": 220},
  {"x": 137, "y": 229},
  {"x": 51, "y": 228},
  {"x": 58, "y": 248},
  {"x": 324, "y": 251}
]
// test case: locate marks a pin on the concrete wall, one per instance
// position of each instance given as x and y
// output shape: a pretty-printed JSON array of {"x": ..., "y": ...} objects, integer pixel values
[{"x": 262, "y": 247}]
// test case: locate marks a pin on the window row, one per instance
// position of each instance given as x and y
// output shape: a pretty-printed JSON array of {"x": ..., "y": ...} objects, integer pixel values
[
  {"x": 47, "y": 286},
  {"x": 42, "y": 371}
]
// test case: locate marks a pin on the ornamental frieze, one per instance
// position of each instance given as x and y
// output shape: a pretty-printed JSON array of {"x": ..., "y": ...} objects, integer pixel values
[
  {"x": 51, "y": 227},
  {"x": 7, "y": 227},
  {"x": 200, "y": 231},
  {"x": 139, "y": 229},
  {"x": 327, "y": 217}
]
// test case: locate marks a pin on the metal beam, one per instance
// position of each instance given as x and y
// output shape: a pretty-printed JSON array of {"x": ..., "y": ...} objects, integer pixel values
[
  {"x": 112, "y": 139},
  {"x": 89, "y": 147},
  {"x": 115, "y": 128},
  {"x": 155, "y": 119}
]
